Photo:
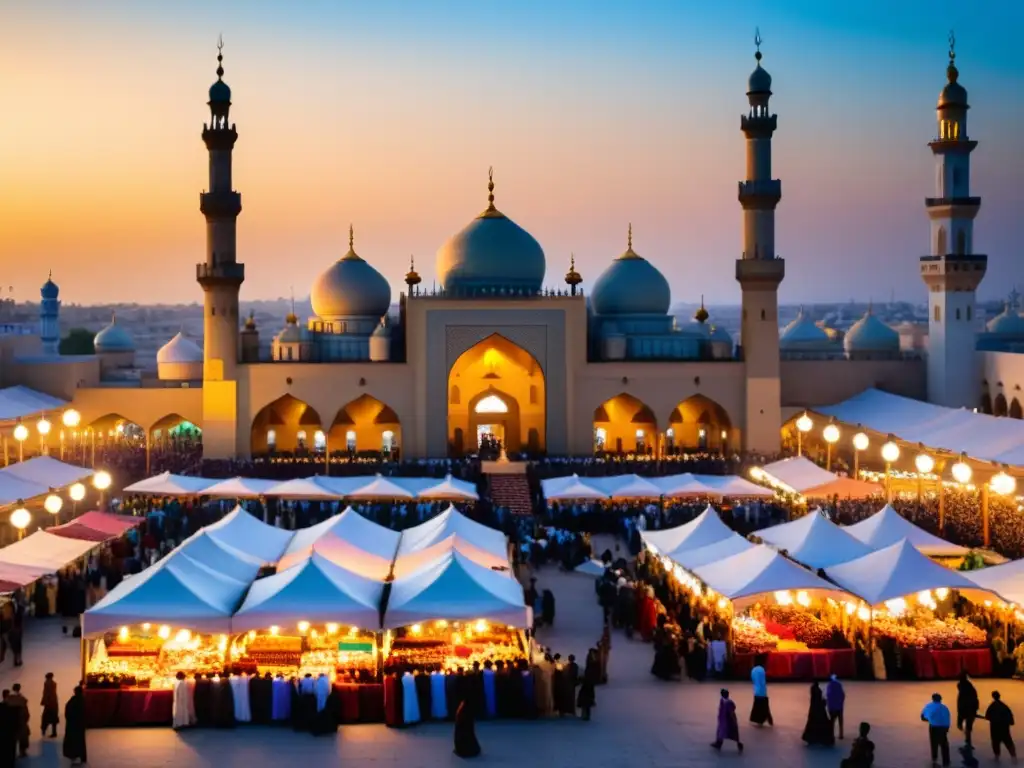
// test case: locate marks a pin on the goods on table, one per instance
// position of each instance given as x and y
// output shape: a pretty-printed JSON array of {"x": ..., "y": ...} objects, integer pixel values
[
  {"x": 933, "y": 633},
  {"x": 449, "y": 648},
  {"x": 750, "y": 636},
  {"x": 269, "y": 651},
  {"x": 803, "y": 626}
]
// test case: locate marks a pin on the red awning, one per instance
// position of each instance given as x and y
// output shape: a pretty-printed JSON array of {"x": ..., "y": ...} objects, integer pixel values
[{"x": 96, "y": 526}]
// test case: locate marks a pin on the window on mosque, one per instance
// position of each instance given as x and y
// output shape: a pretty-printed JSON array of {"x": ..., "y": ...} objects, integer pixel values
[
  {"x": 271, "y": 439},
  {"x": 350, "y": 440},
  {"x": 958, "y": 314},
  {"x": 388, "y": 440},
  {"x": 319, "y": 440},
  {"x": 968, "y": 313},
  {"x": 491, "y": 404},
  {"x": 300, "y": 439},
  {"x": 600, "y": 436},
  {"x": 938, "y": 314}
]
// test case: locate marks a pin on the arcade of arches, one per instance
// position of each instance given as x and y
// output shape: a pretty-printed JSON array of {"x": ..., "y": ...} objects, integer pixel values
[
  {"x": 289, "y": 425},
  {"x": 624, "y": 424},
  {"x": 496, "y": 391},
  {"x": 1000, "y": 406}
]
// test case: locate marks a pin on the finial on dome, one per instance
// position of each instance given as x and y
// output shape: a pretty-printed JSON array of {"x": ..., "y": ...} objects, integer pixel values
[
  {"x": 629, "y": 237},
  {"x": 701, "y": 315},
  {"x": 49, "y": 275},
  {"x": 351, "y": 237},
  {"x": 572, "y": 277},
  {"x": 220, "y": 56},
  {"x": 757, "y": 43},
  {"x": 491, "y": 212},
  {"x": 412, "y": 277},
  {"x": 250, "y": 321},
  {"x": 952, "y": 73}
]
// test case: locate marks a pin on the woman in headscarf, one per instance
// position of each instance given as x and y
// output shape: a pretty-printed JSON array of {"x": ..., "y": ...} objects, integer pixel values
[
  {"x": 728, "y": 727},
  {"x": 74, "y": 727},
  {"x": 818, "y": 729},
  {"x": 967, "y": 705},
  {"x": 466, "y": 744}
]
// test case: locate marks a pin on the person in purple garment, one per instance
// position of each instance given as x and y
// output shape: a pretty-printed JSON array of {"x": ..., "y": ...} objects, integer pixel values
[
  {"x": 728, "y": 726},
  {"x": 835, "y": 698}
]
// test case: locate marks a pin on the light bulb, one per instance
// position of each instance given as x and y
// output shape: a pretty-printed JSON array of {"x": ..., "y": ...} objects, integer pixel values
[
  {"x": 303, "y": 626},
  {"x": 43, "y": 426},
  {"x": 890, "y": 452},
  {"x": 831, "y": 433},
  {"x": 21, "y": 433},
  {"x": 76, "y": 492},
  {"x": 102, "y": 480},
  {"x": 804, "y": 423},
  {"x": 1003, "y": 484},
  {"x": 20, "y": 518},
  {"x": 53, "y": 504},
  {"x": 962, "y": 472},
  {"x": 416, "y": 629},
  {"x": 861, "y": 442},
  {"x": 924, "y": 463},
  {"x": 71, "y": 418}
]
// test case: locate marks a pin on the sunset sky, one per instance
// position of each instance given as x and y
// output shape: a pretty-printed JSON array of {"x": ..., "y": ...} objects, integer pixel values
[{"x": 594, "y": 114}]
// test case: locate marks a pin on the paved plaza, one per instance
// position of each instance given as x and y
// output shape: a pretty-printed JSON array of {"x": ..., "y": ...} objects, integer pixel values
[{"x": 638, "y": 721}]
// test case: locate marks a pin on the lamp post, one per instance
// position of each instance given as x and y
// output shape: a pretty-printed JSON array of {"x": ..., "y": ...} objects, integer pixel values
[
  {"x": 71, "y": 419},
  {"x": 54, "y": 504},
  {"x": 831, "y": 435},
  {"x": 101, "y": 481},
  {"x": 1001, "y": 483},
  {"x": 890, "y": 453},
  {"x": 43, "y": 426},
  {"x": 20, "y": 519},
  {"x": 77, "y": 493},
  {"x": 803, "y": 425},
  {"x": 860, "y": 443},
  {"x": 924, "y": 465},
  {"x": 21, "y": 435}
]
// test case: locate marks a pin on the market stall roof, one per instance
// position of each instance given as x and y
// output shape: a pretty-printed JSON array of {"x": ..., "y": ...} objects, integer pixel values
[
  {"x": 21, "y": 402},
  {"x": 685, "y": 484},
  {"x": 815, "y": 541},
  {"x": 47, "y": 471},
  {"x": 450, "y": 489},
  {"x": 243, "y": 532},
  {"x": 733, "y": 486},
  {"x": 571, "y": 488},
  {"x": 449, "y": 523},
  {"x": 220, "y": 557},
  {"x": 304, "y": 488},
  {"x": 315, "y": 590},
  {"x": 14, "y": 577},
  {"x": 348, "y": 540},
  {"x": 166, "y": 484},
  {"x": 1006, "y": 580},
  {"x": 958, "y": 430},
  {"x": 381, "y": 487},
  {"x": 808, "y": 479},
  {"x": 706, "y": 528},
  {"x": 14, "y": 488},
  {"x": 411, "y": 561},
  {"x": 177, "y": 591},
  {"x": 625, "y": 486},
  {"x": 240, "y": 488},
  {"x": 895, "y": 571},
  {"x": 96, "y": 526},
  {"x": 712, "y": 553},
  {"x": 757, "y": 571},
  {"x": 455, "y": 588},
  {"x": 44, "y": 551},
  {"x": 888, "y": 526}
]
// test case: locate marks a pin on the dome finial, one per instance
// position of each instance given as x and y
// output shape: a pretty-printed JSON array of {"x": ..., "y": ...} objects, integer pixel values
[
  {"x": 49, "y": 275},
  {"x": 572, "y": 277},
  {"x": 220, "y": 56},
  {"x": 291, "y": 318},
  {"x": 250, "y": 321},
  {"x": 491, "y": 212},
  {"x": 351, "y": 238},
  {"x": 629, "y": 237},
  {"x": 412, "y": 277},
  {"x": 701, "y": 315},
  {"x": 951, "y": 71},
  {"x": 757, "y": 43}
]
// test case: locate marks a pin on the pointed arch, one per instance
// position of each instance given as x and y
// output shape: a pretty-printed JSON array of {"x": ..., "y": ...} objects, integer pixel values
[
  {"x": 112, "y": 428},
  {"x": 700, "y": 423},
  {"x": 286, "y": 417},
  {"x": 625, "y": 424},
  {"x": 986, "y": 404},
  {"x": 1015, "y": 409},
  {"x": 365, "y": 424},
  {"x": 961, "y": 243},
  {"x": 999, "y": 407},
  {"x": 940, "y": 241}
]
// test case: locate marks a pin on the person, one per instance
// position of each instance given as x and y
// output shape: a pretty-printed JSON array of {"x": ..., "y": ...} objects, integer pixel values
[
  {"x": 20, "y": 704},
  {"x": 14, "y": 640},
  {"x": 51, "y": 707},
  {"x": 835, "y": 699},
  {"x": 761, "y": 712},
  {"x": 74, "y": 727},
  {"x": 862, "y": 754},
  {"x": 728, "y": 726},
  {"x": 591, "y": 675},
  {"x": 547, "y": 602},
  {"x": 1000, "y": 719},
  {"x": 967, "y": 705},
  {"x": 8, "y": 729},
  {"x": 818, "y": 729},
  {"x": 466, "y": 744},
  {"x": 936, "y": 714}
]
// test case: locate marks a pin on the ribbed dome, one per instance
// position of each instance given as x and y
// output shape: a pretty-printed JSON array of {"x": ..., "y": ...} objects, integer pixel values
[
  {"x": 1007, "y": 323},
  {"x": 350, "y": 288},
  {"x": 114, "y": 338},
  {"x": 869, "y": 334},
  {"x": 180, "y": 349},
  {"x": 803, "y": 333},
  {"x": 631, "y": 285},
  {"x": 759, "y": 81},
  {"x": 492, "y": 254}
]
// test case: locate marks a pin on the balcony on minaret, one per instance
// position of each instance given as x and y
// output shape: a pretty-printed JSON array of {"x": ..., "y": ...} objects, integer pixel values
[
  {"x": 220, "y": 204},
  {"x": 940, "y": 202},
  {"x": 759, "y": 126},
  {"x": 221, "y": 273},
  {"x": 756, "y": 273},
  {"x": 954, "y": 271},
  {"x": 763, "y": 193}
]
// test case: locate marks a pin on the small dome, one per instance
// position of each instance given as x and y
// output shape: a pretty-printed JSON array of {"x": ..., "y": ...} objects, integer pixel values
[
  {"x": 220, "y": 93},
  {"x": 180, "y": 349},
  {"x": 718, "y": 333},
  {"x": 631, "y": 285},
  {"x": 1006, "y": 323},
  {"x": 490, "y": 255},
  {"x": 114, "y": 338},
  {"x": 802, "y": 333},
  {"x": 49, "y": 289},
  {"x": 759, "y": 81},
  {"x": 350, "y": 287},
  {"x": 869, "y": 334},
  {"x": 953, "y": 94},
  {"x": 291, "y": 333}
]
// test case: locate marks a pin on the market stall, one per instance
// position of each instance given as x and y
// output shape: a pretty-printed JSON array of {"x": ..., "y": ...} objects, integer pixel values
[
  {"x": 706, "y": 528},
  {"x": 349, "y": 540},
  {"x": 799, "y": 475},
  {"x": 814, "y": 540},
  {"x": 240, "y": 488},
  {"x": 887, "y": 527},
  {"x": 166, "y": 484},
  {"x": 450, "y": 530},
  {"x": 96, "y": 526},
  {"x": 244, "y": 532}
]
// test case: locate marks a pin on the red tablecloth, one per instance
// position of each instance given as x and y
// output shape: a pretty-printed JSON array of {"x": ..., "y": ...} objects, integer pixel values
[
  {"x": 116, "y": 708},
  {"x": 360, "y": 702},
  {"x": 813, "y": 664},
  {"x": 947, "y": 665}
]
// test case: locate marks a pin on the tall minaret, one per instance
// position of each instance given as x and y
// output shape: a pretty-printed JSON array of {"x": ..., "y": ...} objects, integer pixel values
[
  {"x": 221, "y": 275},
  {"x": 953, "y": 271},
  {"x": 49, "y": 317},
  {"x": 760, "y": 271}
]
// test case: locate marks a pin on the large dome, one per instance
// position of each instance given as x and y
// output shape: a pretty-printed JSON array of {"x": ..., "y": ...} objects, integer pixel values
[
  {"x": 803, "y": 333},
  {"x": 869, "y": 334},
  {"x": 350, "y": 288},
  {"x": 1007, "y": 323},
  {"x": 113, "y": 338},
  {"x": 491, "y": 255},
  {"x": 180, "y": 349},
  {"x": 631, "y": 285}
]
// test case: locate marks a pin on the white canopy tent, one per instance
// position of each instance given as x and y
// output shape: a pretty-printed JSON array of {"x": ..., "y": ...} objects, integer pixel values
[
  {"x": 166, "y": 484},
  {"x": 243, "y": 532},
  {"x": 683, "y": 485},
  {"x": 21, "y": 403},
  {"x": 240, "y": 488},
  {"x": 895, "y": 571},
  {"x": 348, "y": 540},
  {"x": 42, "y": 550},
  {"x": 450, "y": 489},
  {"x": 757, "y": 571},
  {"x": 712, "y": 553},
  {"x": 312, "y": 488},
  {"x": 799, "y": 474},
  {"x": 888, "y": 527},
  {"x": 706, "y": 528},
  {"x": 571, "y": 489},
  {"x": 625, "y": 486},
  {"x": 733, "y": 486},
  {"x": 14, "y": 488},
  {"x": 450, "y": 530},
  {"x": 455, "y": 588},
  {"x": 814, "y": 541},
  {"x": 220, "y": 557},
  {"x": 47, "y": 472},
  {"x": 412, "y": 560},
  {"x": 340, "y": 486},
  {"x": 1006, "y": 580},
  {"x": 381, "y": 487},
  {"x": 315, "y": 590}
]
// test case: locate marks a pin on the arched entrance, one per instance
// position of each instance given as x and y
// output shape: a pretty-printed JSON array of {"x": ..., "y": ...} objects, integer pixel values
[
  {"x": 698, "y": 424},
  {"x": 287, "y": 425},
  {"x": 624, "y": 424},
  {"x": 999, "y": 407},
  {"x": 104, "y": 434},
  {"x": 986, "y": 403},
  {"x": 1015, "y": 409},
  {"x": 496, "y": 388},
  {"x": 365, "y": 425}
]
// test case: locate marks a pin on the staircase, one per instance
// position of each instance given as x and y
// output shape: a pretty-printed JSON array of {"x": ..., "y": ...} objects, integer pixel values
[{"x": 511, "y": 491}]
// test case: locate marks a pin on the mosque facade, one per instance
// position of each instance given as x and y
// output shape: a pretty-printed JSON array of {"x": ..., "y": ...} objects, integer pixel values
[{"x": 498, "y": 351}]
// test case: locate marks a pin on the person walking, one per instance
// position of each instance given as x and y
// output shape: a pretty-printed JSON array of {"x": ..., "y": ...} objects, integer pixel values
[
  {"x": 818, "y": 729},
  {"x": 466, "y": 744},
  {"x": 862, "y": 754},
  {"x": 835, "y": 699},
  {"x": 20, "y": 705},
  {"x": 1000, "y": 719},
  {"x": 760, "y": 712},
  {"x": 51, "y": 707},
  {"x": 936, "y": 714},
  {"x": 967, "y": 706},
  {"x": 586, "y": 699},
  {"x": 728, "y": 727},
  {"x": 74, "y": 727}
]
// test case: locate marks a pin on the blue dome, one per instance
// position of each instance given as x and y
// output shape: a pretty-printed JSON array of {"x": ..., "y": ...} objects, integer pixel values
[
  {"x": 760, "y": 81},
  {"x": 803, "y": 333},
  {"x": 1007, "y": 323},
  {"x": 220, "y": 93},
  {"x": 49, "y": 289},
  {"x": 869, "y": 334},
  {"x": 492, "y": 253},
  {"x": 350, "y": 288},
  {"x": 631, "y": 285},
  {"x": 114, "y": 338}
]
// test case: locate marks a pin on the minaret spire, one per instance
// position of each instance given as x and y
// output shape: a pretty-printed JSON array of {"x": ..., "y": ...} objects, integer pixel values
[{"x": 492, "y": 212}]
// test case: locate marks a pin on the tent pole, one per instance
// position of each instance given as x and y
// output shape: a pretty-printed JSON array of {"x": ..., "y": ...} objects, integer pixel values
[
  {"x": 984, "y": 514},
  {"x": 84, "y": 647}
]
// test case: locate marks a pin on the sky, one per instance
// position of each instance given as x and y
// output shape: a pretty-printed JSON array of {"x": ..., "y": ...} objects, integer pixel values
[{"x": 594, "y": 115}]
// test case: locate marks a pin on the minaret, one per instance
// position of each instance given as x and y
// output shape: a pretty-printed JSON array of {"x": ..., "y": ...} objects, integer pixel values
[
  {"x": 49, "y": 313},
  {"x": 953, "y": 271},
  {"x": 760, "y": 271},
  {"x": 221, "y": 275}
]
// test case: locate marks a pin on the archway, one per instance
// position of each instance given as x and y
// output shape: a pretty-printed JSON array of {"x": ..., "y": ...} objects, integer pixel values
[
  {"x": 1015, "y": 410},
  {"x": 109, "y": 432},
  {"x": 287, "y": 425},
  {"x": 170, "y": 435},
  {"x": 999, "y": 406},
  {"x": 698, "y": 423},
  {"x": 499, "y": 387},
  {"x": 365, "y": 425},
  {"x": 986, "y": 403},
  {"x": 624, "y": 424}
]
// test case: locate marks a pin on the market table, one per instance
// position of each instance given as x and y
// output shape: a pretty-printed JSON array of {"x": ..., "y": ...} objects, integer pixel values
[
  {"x": 812, "y": 664},
  {"x": 360, "y": 702},
  {"x": 123, "y": 707},
  {"x": 947, "y": 664}
]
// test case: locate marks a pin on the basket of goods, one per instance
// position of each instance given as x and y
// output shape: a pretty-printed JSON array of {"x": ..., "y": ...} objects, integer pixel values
[
  {"x": 750, "y": 636},
  {"x": 806, "y": 628}
]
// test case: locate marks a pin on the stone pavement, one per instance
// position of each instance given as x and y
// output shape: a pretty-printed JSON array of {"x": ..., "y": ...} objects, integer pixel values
[{"x": 638, "y": 720}]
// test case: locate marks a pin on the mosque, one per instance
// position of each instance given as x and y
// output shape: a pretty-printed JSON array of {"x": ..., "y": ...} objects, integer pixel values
[{"x": 499, "y": 350}]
